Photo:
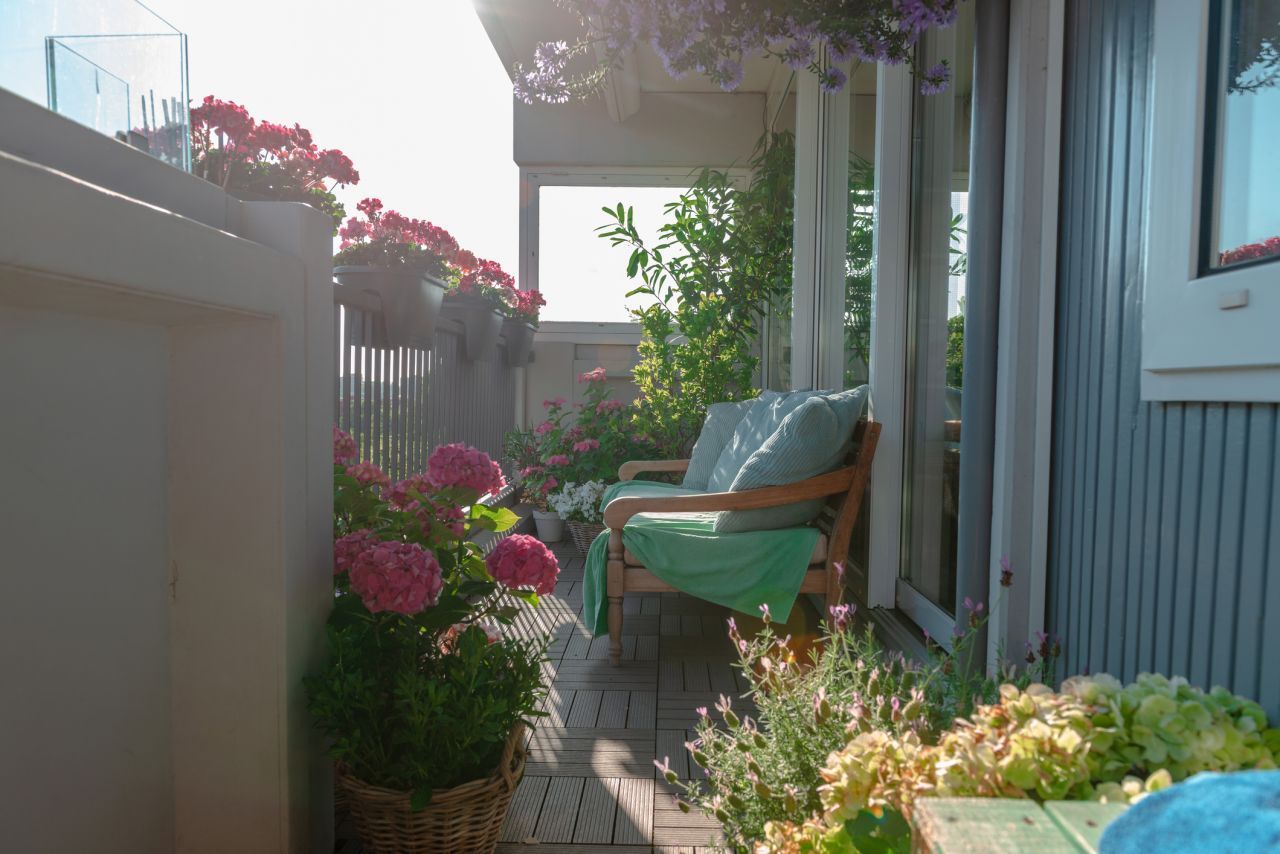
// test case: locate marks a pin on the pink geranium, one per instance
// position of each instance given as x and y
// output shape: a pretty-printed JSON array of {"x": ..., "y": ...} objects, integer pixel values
[
  {"x": 558, "y": 460},
  {"x": 403, "y": 578},
  {"x": 558, "y": 401},
  {"x": 593, "y": 376},
  {"x": 544, "y": 428},
  {"x": 549, "y": 484},
  {"x": 344, "y": 448},
  {"x": 368, "y": 474},
  {"x": 459, "y": 465},
  {"x": 586, "y": 445},
  {"x": 610, "y": 405},
  {"x": 347, "y": 548},
  {"x": 522, "y": 561}
]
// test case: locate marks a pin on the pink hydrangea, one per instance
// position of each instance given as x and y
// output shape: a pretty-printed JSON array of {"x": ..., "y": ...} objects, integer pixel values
[
  {"x": 558, "y": 460},
  {"x": 345, "y": 549},
  {"x": 368, "y": 474},
  {"x": 593, "y": 376},
  {"x": 463, "y": 466},
  {"x": 344, "y": 448},
  {"x": 586, "y": 445},
  {"x": 523, "y": 561},
  {"x": 403, "y": 496},
  {"x": 402, "y": 578}
]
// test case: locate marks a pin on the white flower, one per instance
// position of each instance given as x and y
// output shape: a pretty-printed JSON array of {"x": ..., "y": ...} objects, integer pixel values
[{"x": 579, "y": 502}]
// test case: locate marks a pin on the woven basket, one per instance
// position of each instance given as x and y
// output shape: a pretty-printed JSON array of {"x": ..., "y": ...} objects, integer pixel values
[
  {"x": 583, "y": 534},
  {"x": 465, "y": 818}
]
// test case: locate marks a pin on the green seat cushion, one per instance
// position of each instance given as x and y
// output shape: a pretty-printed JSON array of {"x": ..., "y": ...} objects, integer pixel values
[
  {"x": 642, "y": 489},
  {"x": 760, "y": 422},
  {"x": 717, "y": 430},
  {"x": 813, "y": 439}
]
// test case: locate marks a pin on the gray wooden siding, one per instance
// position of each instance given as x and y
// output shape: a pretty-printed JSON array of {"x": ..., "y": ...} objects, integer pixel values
[{"x": 1165, "y": 524}]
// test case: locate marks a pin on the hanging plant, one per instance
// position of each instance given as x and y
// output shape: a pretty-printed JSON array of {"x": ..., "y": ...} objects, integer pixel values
[{"x": 714, "y": 37}]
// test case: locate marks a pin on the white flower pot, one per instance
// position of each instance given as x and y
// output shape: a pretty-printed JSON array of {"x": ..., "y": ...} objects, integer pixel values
[{"x": 550, "y": 526}]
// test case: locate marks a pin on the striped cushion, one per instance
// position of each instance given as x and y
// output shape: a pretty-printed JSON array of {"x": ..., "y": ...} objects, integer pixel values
[
  {"x": 717, "y": 430},
  {"x": 813, "y": 439},
  {"x": 761, "y": 421}
]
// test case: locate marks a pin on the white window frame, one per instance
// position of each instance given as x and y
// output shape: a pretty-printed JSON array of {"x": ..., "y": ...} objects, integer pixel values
[{"x": 1211, "y": 337}]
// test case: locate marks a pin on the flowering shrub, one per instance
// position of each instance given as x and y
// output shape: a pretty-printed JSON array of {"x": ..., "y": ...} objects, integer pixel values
[
  {"x": 420, "y": 690},
  {"x": 579, "y": 502},
  {"x": 524, "y": 305},
  {"x": 588, "y": 441},
  {"x": 488, "y": 281},
  {"x": 232, "y": 149},
  {"x": 845, "y": 743},
  {"x": 386, "y": 238},
  {"x": 1268, "y": 248},
  {"x": 713, "y": 37}
]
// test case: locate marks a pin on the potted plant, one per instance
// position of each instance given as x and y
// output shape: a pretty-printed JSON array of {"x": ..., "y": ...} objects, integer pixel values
[
  {"x": 583, "y": 445},
  {"x": 521, "y": 310},
  {"x": 478, "y": 302},
  {"x": 535, "y": 483},
  {"x": 579, "y": 505},
  {"x": 406, "y": 262},
  {"x": 423, "y": 699},
  {"x": 260, "y": 160}
]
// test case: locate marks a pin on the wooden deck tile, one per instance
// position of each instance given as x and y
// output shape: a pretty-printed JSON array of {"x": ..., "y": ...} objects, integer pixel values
[
  {"x": 586, "y": 708},
  {"x": 613, "y": 709},
  {"x": 696, "y": 676},
  {"x": 670, "y": 675},
  {"x": 647, "y": 648},
  {"x": 669, "y": 625},
  {"x": 633, "y": 823},
  {"x": 596, "y": 811},
  {"x": 649, "y": 604},
  {"x": 642, "y": 710},
  {"x": 559, "y": 810},
  {"x": 522, "y": 818}
]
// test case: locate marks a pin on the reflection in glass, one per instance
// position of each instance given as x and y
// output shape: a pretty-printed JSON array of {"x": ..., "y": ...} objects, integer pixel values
[
  {"x": 1245, "y": 220},
  {"x": 940, "y": 189}
]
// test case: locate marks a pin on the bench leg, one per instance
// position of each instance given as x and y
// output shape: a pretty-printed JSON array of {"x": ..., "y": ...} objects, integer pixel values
[{"x": 615, "y": 586}]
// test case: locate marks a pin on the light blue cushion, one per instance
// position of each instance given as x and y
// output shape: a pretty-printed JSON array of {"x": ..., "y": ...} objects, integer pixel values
[
  {"x": 813, "y": 439},
  {"x": 761, "y": 421},
  {"x": 717, "y": 430}
]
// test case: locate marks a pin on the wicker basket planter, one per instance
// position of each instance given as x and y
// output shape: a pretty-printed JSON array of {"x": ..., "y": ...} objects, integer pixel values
[
  {"x": 466, "y": 818},
  {"x": 583, "y": 534}
]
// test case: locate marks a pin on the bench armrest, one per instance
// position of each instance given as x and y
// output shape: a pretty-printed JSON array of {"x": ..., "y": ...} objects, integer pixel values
[
  {"x": 628, "y": 471},
  {"x": 823, "y": 486}
]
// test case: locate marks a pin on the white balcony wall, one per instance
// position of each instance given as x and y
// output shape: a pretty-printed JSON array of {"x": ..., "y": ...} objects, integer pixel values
[
  {"x": 563, "y": 350},
  {"x": 165, "y": 512}
]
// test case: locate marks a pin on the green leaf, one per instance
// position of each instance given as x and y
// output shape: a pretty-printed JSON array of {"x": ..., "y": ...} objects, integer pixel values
[{"x": 421, "y": 797}]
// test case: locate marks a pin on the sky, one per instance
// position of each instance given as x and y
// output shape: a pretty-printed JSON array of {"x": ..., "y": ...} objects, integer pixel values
[{"x": 411, "y": 90}]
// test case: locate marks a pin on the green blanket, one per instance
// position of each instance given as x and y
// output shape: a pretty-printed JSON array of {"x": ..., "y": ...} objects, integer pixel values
[{"x": 741, "y": 571}]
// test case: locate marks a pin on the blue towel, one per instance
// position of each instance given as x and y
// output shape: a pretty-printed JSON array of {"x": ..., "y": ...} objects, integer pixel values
[{"x": 1237, "y": 812}]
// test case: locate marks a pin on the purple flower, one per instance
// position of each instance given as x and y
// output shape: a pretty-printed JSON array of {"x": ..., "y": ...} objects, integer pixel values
[
  {"x": 935, "y": 80},
  {"x": 729, "y": 74}
]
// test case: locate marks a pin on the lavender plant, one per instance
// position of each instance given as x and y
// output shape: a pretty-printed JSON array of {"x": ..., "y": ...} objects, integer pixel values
[{"x": 714, "y": 37}]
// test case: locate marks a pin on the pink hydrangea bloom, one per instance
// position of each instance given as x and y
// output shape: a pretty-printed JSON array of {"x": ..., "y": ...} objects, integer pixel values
[
  {"x": 345, "y": 549},
  {"x": 523, "y": 561},
  {"x": 558, "y": 460},
  {"x": 606, "y": 406},
  {"x": 543, "y": 429},
  {"x": 399, "y": 497},
  {"x": 594, "y": 376},
  {"x": 400, "y": 577},
  {"x": 586, "y": 445},
  {"x": 463, "y": 466},
  {"x": 344, "y": 448},
  {"x": 368, "y": 474}
]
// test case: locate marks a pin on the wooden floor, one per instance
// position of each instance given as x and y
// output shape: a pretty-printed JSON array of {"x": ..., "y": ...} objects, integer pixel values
[{"x": 590, "y": 783}]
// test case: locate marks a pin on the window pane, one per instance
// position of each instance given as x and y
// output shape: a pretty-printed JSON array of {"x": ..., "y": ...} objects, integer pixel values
[
  {"x": 940, "y": 191},
  {"x": 1246, "y": 195},
  {"x": 583, "y": 277}
]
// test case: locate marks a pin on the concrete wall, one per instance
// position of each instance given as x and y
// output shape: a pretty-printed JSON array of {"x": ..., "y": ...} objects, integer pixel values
[
  {"x": 87, "y": 724},
  {"x": 165, "y": 507},
  {"x": 562, "y": 351}
]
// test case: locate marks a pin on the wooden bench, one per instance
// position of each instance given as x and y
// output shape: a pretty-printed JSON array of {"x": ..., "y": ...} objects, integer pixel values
[{"x": 842, "y": 488}]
